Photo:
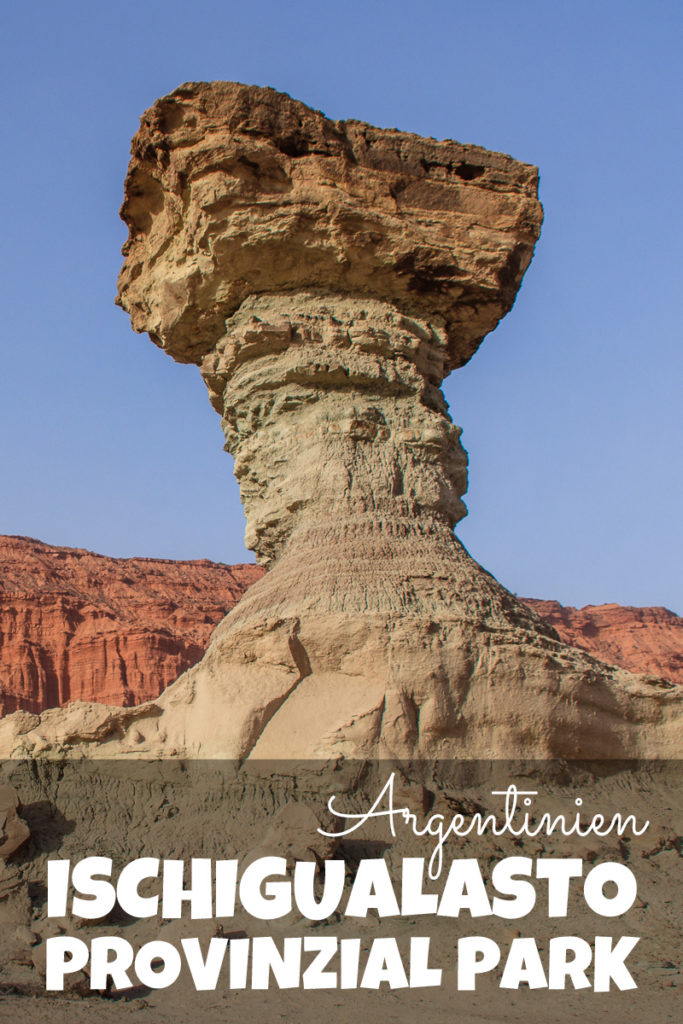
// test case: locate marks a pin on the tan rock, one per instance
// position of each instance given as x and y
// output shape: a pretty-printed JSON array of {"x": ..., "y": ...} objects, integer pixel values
[
  {"x": 234, "y": 191},
  {"x": 76, "y": 625},
  {"x": 326, "y": 276}
]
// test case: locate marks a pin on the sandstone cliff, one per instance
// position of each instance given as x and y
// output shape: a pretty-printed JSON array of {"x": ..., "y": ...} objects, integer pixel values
[
  {"x": 75, "y": 625},
  {"x": 641, "y": 639},
  {"x": 80, "y": 626},
  {"x": 326, "y": 276}
]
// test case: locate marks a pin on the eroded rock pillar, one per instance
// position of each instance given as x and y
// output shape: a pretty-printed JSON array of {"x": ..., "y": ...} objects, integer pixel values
[
  {"x": 326, "y": 276},
  {"x": 332, "y": 409}
]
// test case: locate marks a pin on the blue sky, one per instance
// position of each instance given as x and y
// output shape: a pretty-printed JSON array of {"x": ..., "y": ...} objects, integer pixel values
[{"x": 571, "y": 410}]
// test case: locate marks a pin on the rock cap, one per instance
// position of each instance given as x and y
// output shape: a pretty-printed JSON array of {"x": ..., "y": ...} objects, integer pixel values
[{"x": 237, "y": 190}]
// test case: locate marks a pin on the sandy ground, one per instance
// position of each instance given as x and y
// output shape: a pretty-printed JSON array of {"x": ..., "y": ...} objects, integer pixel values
[{"x": 168, "y": 812}]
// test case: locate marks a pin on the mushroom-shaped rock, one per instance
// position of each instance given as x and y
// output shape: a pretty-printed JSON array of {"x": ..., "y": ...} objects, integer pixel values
[{"x": 326, "y": 276}]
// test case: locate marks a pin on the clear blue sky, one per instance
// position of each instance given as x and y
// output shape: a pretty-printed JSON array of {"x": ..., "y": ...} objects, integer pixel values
[{"x": 571, "y": 410}]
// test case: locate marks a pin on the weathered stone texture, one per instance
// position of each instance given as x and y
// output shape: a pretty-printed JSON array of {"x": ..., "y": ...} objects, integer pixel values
[
  {"x": 641, "y": 639},
  {"x": 326, "y": 276},
  {"x": 79, "y": 626},
  {"x": 71, "y": 627},
  {"x": 235, "y": 190}
]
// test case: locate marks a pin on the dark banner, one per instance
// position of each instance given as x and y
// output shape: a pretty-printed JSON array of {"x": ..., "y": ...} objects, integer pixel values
[{"x": 210, "y": 891}]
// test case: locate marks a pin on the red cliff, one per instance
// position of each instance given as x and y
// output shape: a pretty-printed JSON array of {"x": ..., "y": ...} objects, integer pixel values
[
  {"x": 74, "y": 624},
  {"x": 646, "y": 640}
]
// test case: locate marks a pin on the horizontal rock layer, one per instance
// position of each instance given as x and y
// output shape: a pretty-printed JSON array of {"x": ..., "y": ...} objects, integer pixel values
[
  {"x": 646, "y": 640},
  {"x": 75, "y": 625},
  {"x": 326, "y": 276},
  {"x": 235, "y": 191},
  {"x": 79, "y": 626}
]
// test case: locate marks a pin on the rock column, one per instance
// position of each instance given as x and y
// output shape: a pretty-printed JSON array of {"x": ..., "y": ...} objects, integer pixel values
[{"x": 326, "y": 276}]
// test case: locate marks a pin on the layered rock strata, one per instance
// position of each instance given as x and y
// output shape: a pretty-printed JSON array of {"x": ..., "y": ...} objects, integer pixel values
[
  {"x": 641, "y": 639},
  {"x": 326, "y": 276},
  {"x": 79, "y": 626}
]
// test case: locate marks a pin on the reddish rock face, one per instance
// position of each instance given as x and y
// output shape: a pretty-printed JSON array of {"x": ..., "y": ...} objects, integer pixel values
[
  {"x": 646, "y": 640},
  {"x": 76, "y": 625}
]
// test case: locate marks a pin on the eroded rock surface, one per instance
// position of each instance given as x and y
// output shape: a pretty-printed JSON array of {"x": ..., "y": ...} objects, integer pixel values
[
  {"x": 79, "y": 626},
  {"x": 640, "y": 639},
  {"x": 14, "y": 831},
  {"x": 326, "y": 276},
  {"x": 235, "y": 191}
]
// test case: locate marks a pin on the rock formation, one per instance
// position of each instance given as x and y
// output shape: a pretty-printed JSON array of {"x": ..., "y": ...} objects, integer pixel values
[
  {"x": 79, "y": 626},
  {"x": 326, "y": 276},
  {"x": 646, "y": 640}
]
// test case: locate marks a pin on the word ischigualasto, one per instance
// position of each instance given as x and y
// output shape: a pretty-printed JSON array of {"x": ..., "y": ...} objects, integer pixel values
[{"x": 267, "y": 891}]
